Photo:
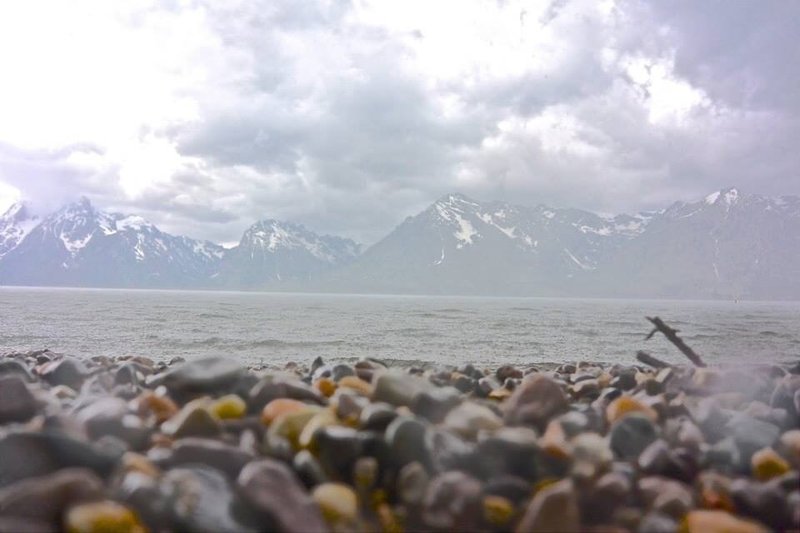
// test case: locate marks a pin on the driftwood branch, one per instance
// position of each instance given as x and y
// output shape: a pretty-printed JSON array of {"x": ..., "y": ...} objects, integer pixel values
[
  {"x": 672, "y": 336},
  {"x": 650, "y": 360}
]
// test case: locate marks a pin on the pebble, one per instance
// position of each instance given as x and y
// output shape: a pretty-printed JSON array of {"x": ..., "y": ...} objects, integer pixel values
[
  {"x": 702, "y": 521},
  {"x": 469, "y": 418},
  {"x": 279, "y": 407},
  {"x": 412, "y": 483},
  {"x": 226, "y": 458},
  {"x": 228, "y": 407},
  {"x": 356, "y": 384},
  {"x": 453, "y": 502},
  {"x": 202, "y": 376},
  {"x": 625, "y": 405},
  {"x": 536, "y": 400},
  {"x": 338, "y": 504},
  {"x": 553, "y": 508},
  {"x": 194, "y": 420},
  {"x": 67, "y": 371},
  {"x": 276, "y": 493},
  {"x": 767, "y": 464},
  {"x": 17, "y": 404},
  {"x": 101, "y": 517},
  {"x": 631, "y": 435},
  {"x": 399, "y": 388}
]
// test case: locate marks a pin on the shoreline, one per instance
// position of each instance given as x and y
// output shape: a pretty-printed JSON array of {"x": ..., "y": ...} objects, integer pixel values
[{"x": 361, "y": 446}]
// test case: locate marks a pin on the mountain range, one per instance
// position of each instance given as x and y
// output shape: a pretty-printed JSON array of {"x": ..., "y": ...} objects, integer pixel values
[{"x": 726, "y": 245}]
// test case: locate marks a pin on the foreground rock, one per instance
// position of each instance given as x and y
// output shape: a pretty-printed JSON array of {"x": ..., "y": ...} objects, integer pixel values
[{"x": 129, "y": 444}]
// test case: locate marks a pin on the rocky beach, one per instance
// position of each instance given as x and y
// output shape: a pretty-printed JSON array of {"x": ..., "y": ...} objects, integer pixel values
[{"x": 136, "y": 444}]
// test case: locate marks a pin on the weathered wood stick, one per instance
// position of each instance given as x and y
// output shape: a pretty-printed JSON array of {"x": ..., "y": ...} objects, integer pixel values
[
  {"x": 672, "y": 336},
  {"x": 650, "y": 360}
]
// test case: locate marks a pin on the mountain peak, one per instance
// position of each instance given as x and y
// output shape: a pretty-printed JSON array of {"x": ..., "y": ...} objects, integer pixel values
[{"x": 727, "y": 197}]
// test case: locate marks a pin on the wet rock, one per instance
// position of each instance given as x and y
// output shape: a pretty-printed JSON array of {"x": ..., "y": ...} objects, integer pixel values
[
  {"x": 290, "y": 426},
  {"x": 67, "y": 371},
  {"x": 226, "y": 458},
  {"x": 536, "y": 400},
  {"x": 702, "y": 521},
  {"x": 554, "y": 508},
  {"x": 276, "y": 493},
  {"x": 469, "y": 418},
  {"x": 452, "y": 502},
  {"x": 338, "y": 503},
  {"x": 405, "y": 437},
  {"x": 767, "y": 464},
  {"x": 102, "y": 516},
  {"x": 631, "y": 435},
  {"x": 201, "y": 499},
  {"x": 279, "y": 386},
  {"x": 194, "y": 420},
  {"x": 398, "y": 388},
  {"x": 377, "y": 416},
  {"x": 412, "y": 483},
  {"x": 436, "y": 403},
  {"x": 28, "y": 454},
  {"x": 17, "y": 404},
  {"x": 12, "y": 367},
  {"x": 202, "y": 376},
  {"x": 308, "y": 469},
  {"x": 509, "y": 451},
  {"x": 279, "y": 407},
  {"x": 111, "y": 417},
  {"x": 338, "y": 450},
  {"x": 45, "y": 498}
]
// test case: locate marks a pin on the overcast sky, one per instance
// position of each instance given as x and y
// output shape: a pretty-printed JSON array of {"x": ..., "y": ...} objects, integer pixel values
[{"x": 348, "y": 116}]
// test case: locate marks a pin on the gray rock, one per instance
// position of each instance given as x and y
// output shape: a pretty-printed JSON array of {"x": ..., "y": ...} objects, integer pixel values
[
  {"x": 469, "y": 418},
  {"x": 202, "y": 376},
  {"x": 452, "y": 502},
  {"x": 226, "y": 458},
  {"x": 631, "y": 435},
  {"x": 405, "y": 437},
  {"x": 17, "y": 403},
  {"x": 192, "y": 421},
  {"x": 281, "y": 386},
  {"x": 111, "y": 417},
  {"x": 202, "y": 500},
  {"x": 273, "y": 490},
  {"x": 412, "y": 482},
  {"x": 436, "y": 403},
  {"x": 67, "y": 371},
  {"x": 45, "y": 498},
  {"x": 399, "y": 388},
  {"x": 751, "y": 434},
  {"x": 509, "y": 451},
  {"x": 554, "y": 509},
  {"x": 377, "y": 416},
  {"x": 12, "y": 367},
  {"x": 535, "y": 401}
]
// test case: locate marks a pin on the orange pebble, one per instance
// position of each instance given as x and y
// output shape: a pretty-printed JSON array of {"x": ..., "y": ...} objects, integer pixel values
[
  {"x": 161, "y": 407},
  {"x": 278, "y": 407},
  {"x": 625, "y": 405},
  {"x": 326, "y": 386},
  {"x": 356, "y": 384}
]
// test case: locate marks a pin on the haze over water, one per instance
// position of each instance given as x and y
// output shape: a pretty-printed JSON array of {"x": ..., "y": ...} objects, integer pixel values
[{"x": 272, "y": 329}]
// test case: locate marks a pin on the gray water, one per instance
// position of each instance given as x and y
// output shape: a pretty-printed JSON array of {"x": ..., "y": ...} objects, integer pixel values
[{"x": 271, "y": 329}]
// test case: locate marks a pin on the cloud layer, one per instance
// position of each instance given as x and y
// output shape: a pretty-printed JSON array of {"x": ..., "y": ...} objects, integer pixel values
[{"x": 349, "y": 116}]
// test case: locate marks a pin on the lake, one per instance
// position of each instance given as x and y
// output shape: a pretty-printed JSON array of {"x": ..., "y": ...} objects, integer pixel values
[{"x": 274, "y": 328}]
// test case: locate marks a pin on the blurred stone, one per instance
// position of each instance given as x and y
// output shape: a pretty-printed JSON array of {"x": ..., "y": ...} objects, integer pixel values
[
  {"x": 553, "y": 508},
  {"x": 631, "y": 435},
  {"x": 102, "y": 516},
  {"x": 701, "y": 521},
  {"x": 535, "y": 401},
  {"x": 17, "y": 404},
  {"x": 452, "y": 502},
  {"x": 338, "y": 503}
]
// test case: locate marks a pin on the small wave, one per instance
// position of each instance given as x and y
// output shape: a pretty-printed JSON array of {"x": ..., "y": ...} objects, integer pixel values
[{"x": 775, "y": 334}]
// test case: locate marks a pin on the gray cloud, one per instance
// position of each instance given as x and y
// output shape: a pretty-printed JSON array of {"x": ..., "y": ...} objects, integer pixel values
[{"x": 313, "y": 114}]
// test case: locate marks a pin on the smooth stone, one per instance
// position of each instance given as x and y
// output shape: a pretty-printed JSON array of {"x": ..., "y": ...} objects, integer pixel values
[
  {"x": 591, "y": 455},
  {"x": 45, "y": 498},
  {"x": 435, "y": 404},
  {"x": 510, "y": 450},
  {"x": 469, "y": 418},
  {"x": 228, "y": 407},
  {"x": 277, "y": 386},
  {"x": 377, "y": 416},
  {"x": 308, "y": 469},
  {"x": 338, "y": 503},
  {"x": 102, "y": 516},
  {"x": 535, "y": 401},
  {"x": 789, "y": 446},
  {"x": 17, "y": 403},
  {"x": 511, "y": 487},
  {"x": 275, "y": 492},
  {"x": 609, "y": 492},
  {"x": 28, "y": 454},
  {"x": 111, "y": 417},
  {"x": 67, "y": 371},
  {"x": 366, "y": 472},
  {"x": 356, "y": 384},
  {"x": 279, "y": 407},
  {"x": 201, "y": 376},
  {"x": 348, "y": 405},
  {"x": 226, "y": 458},
  {"x": 655, "y": 522},
  {"x": 412, "y": 482},
  {"x": 725, "y": 456},
  {"x": 341, "y": 371},
  {"x": 325, "y": 386},
  {"x": 666, "y": 496},
  {"x": 764, "y": 502},
  {"x": 658, "y": 459},
  {"x": 751, "y": 434},
  {"x": 159, "y": 408},
  {"x": 626, "y": 405},
  {"x": 194, "y": 420},
  {"x": 399, "y": 388},
  {"x": 452, "y": 502},
  {"x": 12, "y": 367},
  {"x": 201, "y": 499},
  {"x": 338, "y": 449},
  {"x": 322, "y": 419},
  {"x": 587, "y": 388},
  {"x": 702, "y": 521},
  {"x": 497, "y": 511},
  {"x": 127, "y": 374},
  {"x": 767, "y": 464},
  {"x": 554, "y": 508},
  {"x": 631, "y": 435},
  {"x": 406, "y": 439}
]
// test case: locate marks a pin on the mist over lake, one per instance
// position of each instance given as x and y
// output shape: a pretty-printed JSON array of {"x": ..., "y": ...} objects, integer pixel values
[{"x": 273, "y": 328}]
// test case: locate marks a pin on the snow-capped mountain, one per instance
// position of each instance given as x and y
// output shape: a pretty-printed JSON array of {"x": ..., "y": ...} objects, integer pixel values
[
  {"x": 271, "y": 251},
  {"x": 727, "y": 245},
  {"x": 80, "y": 245},
  {"x": 15, "y": 224}
]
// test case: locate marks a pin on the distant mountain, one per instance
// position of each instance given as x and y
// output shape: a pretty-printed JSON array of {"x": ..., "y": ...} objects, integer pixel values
[
  {"x": 81, "y": 246},
  {"x": 725, "y": 246},
  {"x": 272, "y": 252},
  {"x": 15, "y": 224}
]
